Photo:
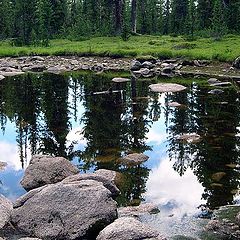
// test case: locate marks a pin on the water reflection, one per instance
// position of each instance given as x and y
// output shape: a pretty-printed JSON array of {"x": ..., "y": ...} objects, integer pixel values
[{"x": 61, "y": 116}]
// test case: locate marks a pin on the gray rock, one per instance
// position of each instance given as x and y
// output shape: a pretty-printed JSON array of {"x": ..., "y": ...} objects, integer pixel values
[
  {"x": 5, "y": 211},
  {"x": 167, "y": 70},
  {"x": 97, "y": 67},
  {"x": 148, "y": 65},
  {"x": 216, "y": 91},
  {"x": 109, "y": 174},
  {"x": 37, "y": 58},
  {"x": 134, "y": 159},
  {"x": 56, "y": 69},
  {"x": 11, "y": 74},
  {"x": 29, "y": 238},
  {"x": 96, "y": 177},
  {"x": 43, "y": 170},
  {"x": 236, "y": 63},
  {"x": 144, "y": 208},
  {"x": 166, "y": 87},
  {"x": 1, "y": 77},
  {"x": 77, "y": 210},
  {"x": 135, "y": 65},
  {"x": 120, "y": 80},
  {"x": 213, "y": 81},
  {"x": 128, "y": 228},
  {"x": 35, "y": 68}
]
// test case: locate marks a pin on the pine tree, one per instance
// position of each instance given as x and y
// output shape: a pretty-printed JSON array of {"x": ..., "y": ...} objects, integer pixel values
[
  {"x": 178, "y": 16},
  {"x": 204, "y": 14},
  {"x": 190, "y": 19},
  {"x": 218, "y": 21},
  {"x": 166, "y": 17}
]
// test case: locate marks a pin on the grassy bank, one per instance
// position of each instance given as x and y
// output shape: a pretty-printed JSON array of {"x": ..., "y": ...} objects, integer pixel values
[{"x": 226, "y": 49}]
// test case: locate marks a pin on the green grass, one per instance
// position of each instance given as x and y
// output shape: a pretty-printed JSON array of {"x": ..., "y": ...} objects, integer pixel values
[{"x": 226, "y": 49}]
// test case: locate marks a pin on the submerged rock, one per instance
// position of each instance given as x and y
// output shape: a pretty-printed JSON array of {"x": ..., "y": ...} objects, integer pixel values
[
  {"x": 5, "y": 211},
  {"x": 174, "y": 104},
  {"x": 70, "y": 210},
  {"x": 166, "y": 87},
  {"x": 218, "y": 176},
  {"x": 128, "y": 228},
  {"x": 2, "y": 165},
  {"x": 134, "y": 159},
  {"x": 44, "y": 170},
  {"x": 144, "y": 208},
  {"x": 216, "y": 91},
  {"x": 1, "y": 77},
  {"x": 190, "y": 137}
]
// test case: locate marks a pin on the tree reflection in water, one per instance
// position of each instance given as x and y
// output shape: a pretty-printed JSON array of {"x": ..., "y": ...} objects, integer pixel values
[{"x": 44, "y": 107}]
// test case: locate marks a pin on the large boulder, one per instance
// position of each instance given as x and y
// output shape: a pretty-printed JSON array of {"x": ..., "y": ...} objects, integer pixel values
[
  {"x": 77, "y": 210},
  {"x": 5, "y": 211},
  {"x": 128, "y": 228},
  {"x": 107, "y": 183},
  {"x": 44, "y": 170}
]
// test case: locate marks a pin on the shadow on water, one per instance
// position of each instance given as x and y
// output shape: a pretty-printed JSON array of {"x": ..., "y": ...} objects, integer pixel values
[{"x": 60, "y": 115}]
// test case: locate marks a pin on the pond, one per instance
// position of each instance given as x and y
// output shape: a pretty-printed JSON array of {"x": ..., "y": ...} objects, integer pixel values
[{"x": 60, "y": 115}]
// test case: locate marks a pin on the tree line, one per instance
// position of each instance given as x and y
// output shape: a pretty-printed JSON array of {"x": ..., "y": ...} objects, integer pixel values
[{"x": 36, "y": 21}]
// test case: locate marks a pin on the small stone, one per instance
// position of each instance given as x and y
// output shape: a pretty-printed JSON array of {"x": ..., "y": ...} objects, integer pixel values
[
  {"x": 148, "y": 65},
  {"x": 213, "y": 80},
  {"x": 120, "y": 80},
  {"x": 213, "y": 225},
  {"x": 2, "y": 77},
  {"x": 216, "y": 177},
  {"x": 190, "y": 137},
  {"x": 2, "y": 165},
  {"x": 166, "y": 87},
  {"x": 216, "y": 92},
  {"x": 174, "y": 104},
  {"x": 143, "y": 208}
]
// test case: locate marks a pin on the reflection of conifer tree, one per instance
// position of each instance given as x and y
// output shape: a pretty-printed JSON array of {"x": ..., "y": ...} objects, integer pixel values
[
  {"x": 212, "y": 120},
  {"x": 55, "y": 108},
  {"x": 112, "y": 126},
  {"x": 22, "y": 105}
]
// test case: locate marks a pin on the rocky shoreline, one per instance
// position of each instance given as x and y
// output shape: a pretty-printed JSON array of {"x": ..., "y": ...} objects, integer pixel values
[
  {"x": 145, "y": 67},
  {"x": 61, "y": 203}
]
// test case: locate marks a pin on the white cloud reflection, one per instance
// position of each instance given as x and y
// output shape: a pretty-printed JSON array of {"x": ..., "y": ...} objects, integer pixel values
[
  {"x": 181, "y": 195},
  {"x": 9, "y": 154}
]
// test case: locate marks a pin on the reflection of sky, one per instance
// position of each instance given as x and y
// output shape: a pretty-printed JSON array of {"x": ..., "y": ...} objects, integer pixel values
[
  {"x": 165, "y": 187},
  {"x": 10, "y": 177}
]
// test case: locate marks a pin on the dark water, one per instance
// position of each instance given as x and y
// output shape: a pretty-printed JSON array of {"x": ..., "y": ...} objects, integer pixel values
[{"x": 58, "y": 115}]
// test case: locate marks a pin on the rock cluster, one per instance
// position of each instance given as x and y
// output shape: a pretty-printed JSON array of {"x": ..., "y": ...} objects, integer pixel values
[
  {"x": 64, "y": 204},
  {"x": 58, "y": 64}
]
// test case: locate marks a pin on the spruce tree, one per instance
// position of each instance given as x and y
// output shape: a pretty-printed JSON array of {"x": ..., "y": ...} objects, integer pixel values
[
  {"x": 190, "y": 19},
  {"x": 218, "y": 21}
]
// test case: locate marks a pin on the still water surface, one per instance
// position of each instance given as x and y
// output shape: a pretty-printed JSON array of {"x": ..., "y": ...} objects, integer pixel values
[{"x": 59, "y": 115}]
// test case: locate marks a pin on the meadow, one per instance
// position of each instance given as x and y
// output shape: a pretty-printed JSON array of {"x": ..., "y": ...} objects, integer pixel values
[{"x": 224, "y": 50}]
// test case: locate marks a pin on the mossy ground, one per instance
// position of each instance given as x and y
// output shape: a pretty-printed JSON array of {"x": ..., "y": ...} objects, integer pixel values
[{"x": 226, "y": 49}]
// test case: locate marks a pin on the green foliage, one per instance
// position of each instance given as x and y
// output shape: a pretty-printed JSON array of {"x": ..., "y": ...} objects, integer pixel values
[{"x": 226, "y": 49}]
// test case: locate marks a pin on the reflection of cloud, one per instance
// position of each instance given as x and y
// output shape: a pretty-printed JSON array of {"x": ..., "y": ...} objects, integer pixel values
[
  {"x": 154, "y": 136},
  {"x": 165, "y": 186},
  {"x": 9, "y": 154},
  {"x": 76, "y": 136}
]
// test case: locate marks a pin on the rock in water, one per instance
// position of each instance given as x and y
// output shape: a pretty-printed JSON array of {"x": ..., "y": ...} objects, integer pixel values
[
  {"x": 134, "y": 159},
  {"x": 44, "y": 170},
  {"x": 5, "y": 211},
  {"x": 1, "y": 77},
  {"x": 128, "y": 228},
  {"x": 120, "y": 80},
  {"x": 166, "y": 87},
  {"x": 69, "y": 211}
]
